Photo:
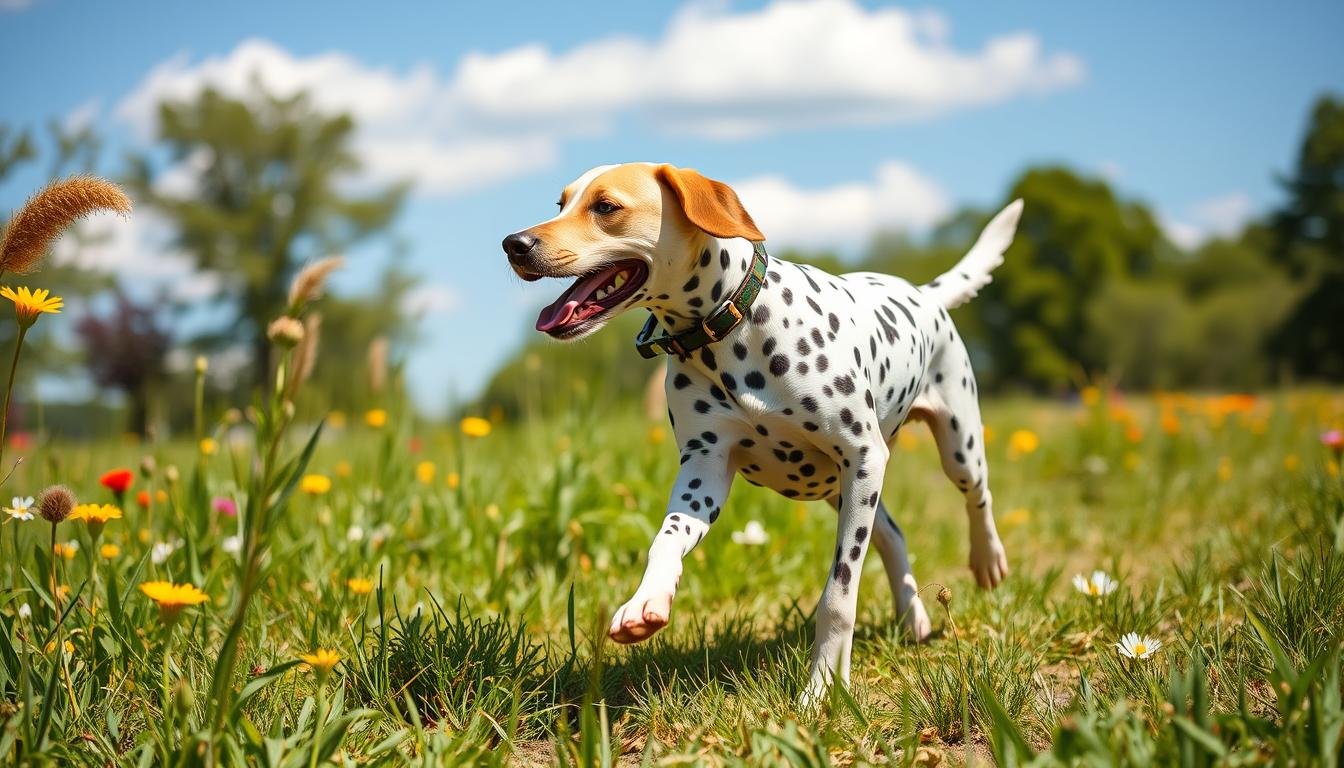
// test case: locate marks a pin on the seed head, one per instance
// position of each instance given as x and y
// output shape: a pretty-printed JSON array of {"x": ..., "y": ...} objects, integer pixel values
[
  {"x": 57, "y": 503},
  {"x": 285, "y": 331},
  {"x": 945, "y": 596},
  {"x": 311, "y": 281},
  {"x": 48, "y": 213}
]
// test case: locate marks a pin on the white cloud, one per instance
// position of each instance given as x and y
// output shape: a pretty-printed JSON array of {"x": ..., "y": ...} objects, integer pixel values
[
  {"x": 431, "y": 299},
  {"x": 1222, "y": 216},
  {"x": 898, "y": 197},
  {"x": 138, "y": 247},
  {"x": 791, "y": 65}
]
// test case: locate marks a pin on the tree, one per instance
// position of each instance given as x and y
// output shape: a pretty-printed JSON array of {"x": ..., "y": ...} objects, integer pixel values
[
  {"x": 265, "y": 179},
  {"x": 126, "y": 351},
  {"x": 1310, "y": 241}
]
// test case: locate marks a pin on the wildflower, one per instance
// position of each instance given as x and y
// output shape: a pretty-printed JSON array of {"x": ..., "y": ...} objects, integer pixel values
[
  {"x": 142, "y": 499},
  {"x": 1099, "y": 584},
  {"x": 66, "y": 550},
  {"x": 343, "y": 468},
  {"x": 1022, "y": 442},
  {"x": 225, "y": 506},
  {"x": 424, "y": 472},
  {"x": 208, "y": 446},
  {"x": 315, "y": 485},
  {"x": 172, "y": 598},
  {"x": 148, "y": 466},
  {"x": 49, "y": 212},
  {"x": 1132, "y": 646},
  {"x": 475, "y": 426},
  {"x": 118, "y": 481},
  {"x": 1334, "y": 440},
  {"x": 359, "y": 586},
  {"x": 56, "y": 503},
  {"x": 453, "y": 481},
  {"x": 25, "y": 611},
  {"x": 109, "y": 551},
  {"x": 96, "y": 516},
  {"x": 376, "y": 418},
  {"x": 753, "y": 534},
  {"x": 944, "y": 596},
  {"x": 1290, "y": 463},
  {"x": 232, "y": 544},
  {"x": 21, "y": 508},
  {"x": 321, "y": 661},
  {"x": 336, "y": 419},
  {"x": 163, "y": 550},
  {"x": 355, "y": 533},
  {"x": 29, "y": 304},
  {"x": 202, "y": 365}
]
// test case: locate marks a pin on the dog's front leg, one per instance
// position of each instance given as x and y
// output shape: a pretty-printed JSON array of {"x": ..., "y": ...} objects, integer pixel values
[
  {"x": 861, "y": 483},
  {"x": 697, "y": 496}
]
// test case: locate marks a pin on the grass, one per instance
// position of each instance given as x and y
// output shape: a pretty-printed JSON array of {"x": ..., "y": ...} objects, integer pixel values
[{"x": 493, "y": 564}]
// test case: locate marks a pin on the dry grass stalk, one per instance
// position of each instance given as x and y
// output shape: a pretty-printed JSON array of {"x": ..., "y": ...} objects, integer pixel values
[
  {"x": 378, "y": 364},
  {"x": 49, "y": 212},
  {"x": 305, "y": 354},
  {"x": 311, "y": 281}
]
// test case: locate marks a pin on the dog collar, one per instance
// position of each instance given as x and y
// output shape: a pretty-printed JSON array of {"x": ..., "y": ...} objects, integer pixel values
[{"x": 716, "y": 325}]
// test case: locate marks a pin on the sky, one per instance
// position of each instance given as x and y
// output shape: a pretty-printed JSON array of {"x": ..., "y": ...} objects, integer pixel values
[{"x": 833, "y": 119}]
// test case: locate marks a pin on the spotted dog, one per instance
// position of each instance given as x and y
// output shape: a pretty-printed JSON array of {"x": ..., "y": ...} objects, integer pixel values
[{"x": 794, "y": 378}]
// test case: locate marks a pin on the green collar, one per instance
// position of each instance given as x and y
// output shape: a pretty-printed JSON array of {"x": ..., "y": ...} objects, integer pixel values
[{"x": 714, "y": 327}]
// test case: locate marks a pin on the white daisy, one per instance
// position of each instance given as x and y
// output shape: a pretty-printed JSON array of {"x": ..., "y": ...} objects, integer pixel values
[
  {"x": 1100, "y": 584},
  {"x": 163, "y": 550},
  {"x": 21, "y": 508},
  {"x": 355, "y": 533},
  {"x": 1132, "y": 646},
  {"x": 232, "y": 544},
  {"x": 753, "y": 534}
]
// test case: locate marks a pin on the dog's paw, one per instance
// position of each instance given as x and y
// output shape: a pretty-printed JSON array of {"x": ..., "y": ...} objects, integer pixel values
[
  {"x": 989, "y": 563},
  {"x": 641, "y": 617},
  {"x": 916, "y": 621}
]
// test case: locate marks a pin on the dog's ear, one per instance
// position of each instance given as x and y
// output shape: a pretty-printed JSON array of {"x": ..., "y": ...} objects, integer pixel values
[{"x": 710, "y": 205}]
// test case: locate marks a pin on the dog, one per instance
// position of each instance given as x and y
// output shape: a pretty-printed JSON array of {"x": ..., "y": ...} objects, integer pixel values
[{"x": 794, "y": 378}]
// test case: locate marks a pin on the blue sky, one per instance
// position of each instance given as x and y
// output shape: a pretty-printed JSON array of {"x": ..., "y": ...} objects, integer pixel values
[{"x": 834, "y": 118}]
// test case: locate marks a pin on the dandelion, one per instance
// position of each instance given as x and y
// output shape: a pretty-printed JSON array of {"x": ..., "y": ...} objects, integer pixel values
[
  {"x": 208, "y": 446},
  {"x": 66, "y": 550},
  {"x": 475, "y": 426},
  {"x": 109, "y": 551},
  {"x": 173, "y": 598},
  {"x": 1022, "y": 442},
  {"x": 425, "y": 471},
  {"x": 29, "y": 304},
  {"x": 321, "y": 661},
  {"x": 376, "y": 418},
  {"x": 1099, "y": 584},
  {"x": 21, "y": 508},
  {"x": 1134, "y": 646},
  {"x": 752, "y": 535},
  {"x": 359, "y": 586},
  {"x": 314, "y": 484}
]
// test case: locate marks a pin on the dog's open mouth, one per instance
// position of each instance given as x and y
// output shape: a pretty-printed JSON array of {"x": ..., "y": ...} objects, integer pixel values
[{"x": 590, "y": 297}]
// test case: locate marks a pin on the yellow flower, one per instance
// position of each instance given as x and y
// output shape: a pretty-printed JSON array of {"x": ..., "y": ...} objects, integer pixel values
[
  {"x": 29, "y": 304},
  {"x": 209, "y": 446},
  {"x": 109, "y": 551},
  {"x": 315, "y": 485},
  {"x": 321, "y": 661},
  {"x": 336, "y": 419},
  {"x": 1022, "y": 442},
  {"x": 424, "y": 472},
  {"x": 96, "y": 513},
  {"x": 359, "y": 586},
  {"x": 475, "y": 426},
  {"x": 69, "y": 647},
  {"x": 66, "y": 550},
  {"x": 1291, "y": 462},
  {"x": 343, "y": 468},
  {"x": 172, "y": 598},
  {"x": 657, "y": 435},
  {"x": 453, "y": 480},
  {"x": 1017, "y": 516},
  {"x": 376, "y": 418},
  {"x": 1090, "y": 396}
]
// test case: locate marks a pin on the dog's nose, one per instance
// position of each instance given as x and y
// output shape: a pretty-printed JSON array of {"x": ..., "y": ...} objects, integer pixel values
[{"x": 518, "y": 245}]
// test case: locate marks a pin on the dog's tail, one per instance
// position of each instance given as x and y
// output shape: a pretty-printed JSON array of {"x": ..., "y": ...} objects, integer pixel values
[{"x": 961, "y": 283}]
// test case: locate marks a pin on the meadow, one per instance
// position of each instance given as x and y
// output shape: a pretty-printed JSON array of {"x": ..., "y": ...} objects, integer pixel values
[{"x": 438, "y": 595}]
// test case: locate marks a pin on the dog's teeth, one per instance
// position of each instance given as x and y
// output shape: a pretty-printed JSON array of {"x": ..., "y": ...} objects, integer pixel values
[
  {"x": 601, "y": 293},
  {"x": 620, "y": 280}
]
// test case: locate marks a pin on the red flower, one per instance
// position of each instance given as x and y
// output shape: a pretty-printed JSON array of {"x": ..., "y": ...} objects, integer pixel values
[
  {"x": 142, "y": 498},
  {"x": 117, "y": 480}
]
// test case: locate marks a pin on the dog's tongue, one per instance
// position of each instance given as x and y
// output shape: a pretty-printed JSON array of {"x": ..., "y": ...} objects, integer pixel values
[{"x": 556, "y": 314}]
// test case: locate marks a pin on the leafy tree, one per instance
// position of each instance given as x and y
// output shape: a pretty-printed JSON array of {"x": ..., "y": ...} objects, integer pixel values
[
  {"x": 266, "y": 180},
  {"x": 1310, "y": 230},
  {"x": 126, "y": 351}
]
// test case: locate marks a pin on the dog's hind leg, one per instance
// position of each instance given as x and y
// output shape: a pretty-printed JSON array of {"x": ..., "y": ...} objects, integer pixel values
[
  {"x": 889, "y": 541},
  {"x": 952, "y": 411}
]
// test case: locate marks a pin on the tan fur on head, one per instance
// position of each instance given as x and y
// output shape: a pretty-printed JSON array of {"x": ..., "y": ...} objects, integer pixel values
[
  {"x": 708, "y": 204},
  {"x": 48, "y": 213}
]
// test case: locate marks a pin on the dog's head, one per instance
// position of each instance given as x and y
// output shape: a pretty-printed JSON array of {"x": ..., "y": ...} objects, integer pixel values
[{"x": 629, "y": 234}]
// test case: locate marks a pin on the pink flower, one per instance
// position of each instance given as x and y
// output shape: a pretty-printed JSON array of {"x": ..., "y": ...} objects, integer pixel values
[
  {"x": 1334, "y": 440},
  {"x": 225, "y": 506}
]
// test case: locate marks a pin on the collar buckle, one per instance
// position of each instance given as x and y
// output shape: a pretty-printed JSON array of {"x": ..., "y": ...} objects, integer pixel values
[{"x": 729, "y": 309}]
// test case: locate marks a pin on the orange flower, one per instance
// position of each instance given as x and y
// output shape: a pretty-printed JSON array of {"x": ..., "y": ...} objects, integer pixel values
[{"x": 142, "y": 498}]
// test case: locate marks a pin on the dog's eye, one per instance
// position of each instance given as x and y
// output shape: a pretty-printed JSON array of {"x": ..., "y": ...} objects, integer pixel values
[{"x": 604, "y": 207}]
